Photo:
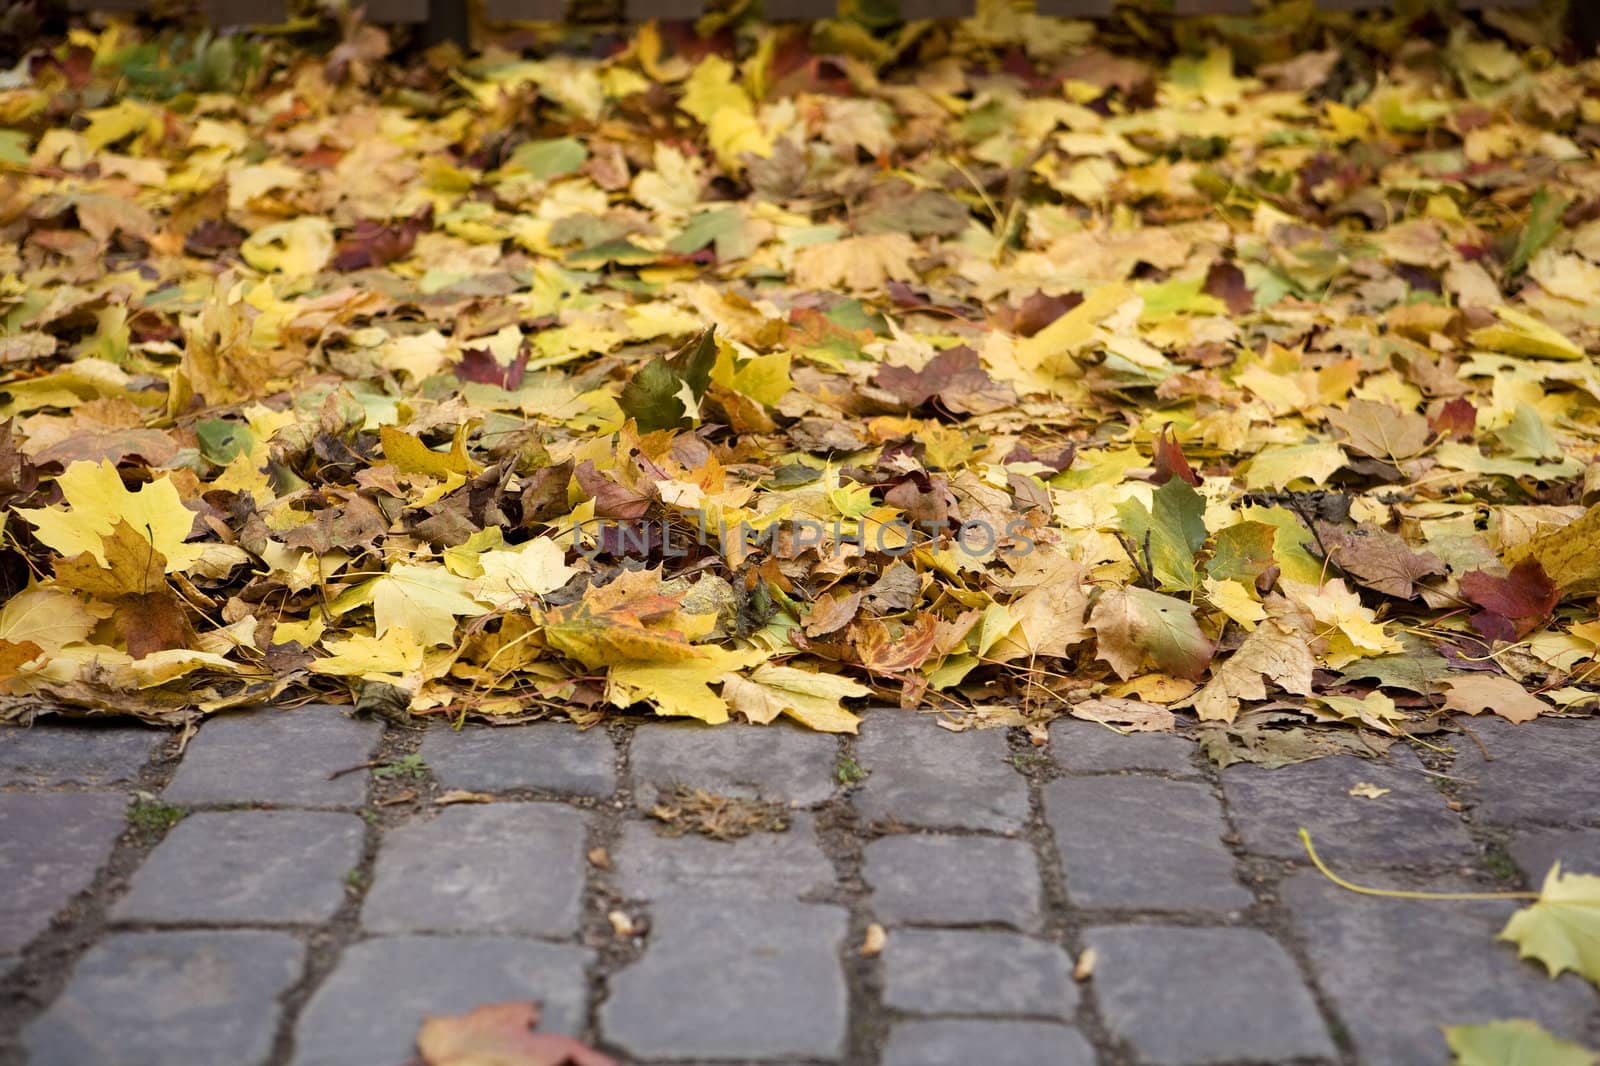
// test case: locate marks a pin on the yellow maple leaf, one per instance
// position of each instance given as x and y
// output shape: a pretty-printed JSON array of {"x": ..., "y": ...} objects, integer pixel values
[
  {"x": 423, "y": 601},
  {"x": 1562, "y": 929},
  {"x": 510, "y": 575},
  {"x": 859, "y": 264},
  {"x": 96, "y": 500},
  {"x": 1353, "y": 631},
  {"x": 680, "y": 688},
  {"x": 361, "y": 654},
  {"x": 46, "y": 616},
  {"x": 295, "y": 249},
  {"x": 810, "y": 698}
]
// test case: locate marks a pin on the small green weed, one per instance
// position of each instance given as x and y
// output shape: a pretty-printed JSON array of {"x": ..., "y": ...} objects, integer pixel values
[
  {"x": 405, "y": 766},
  {"x": 849, "y": 772},
  {"x": 153, "y": 816}
]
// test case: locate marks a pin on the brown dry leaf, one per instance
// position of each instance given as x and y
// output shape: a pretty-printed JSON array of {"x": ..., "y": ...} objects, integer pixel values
[
  {"x": 1382, "y": 430},
  {"x": 1276, "y": 651},
  {"x": 1478, "y": 692},
  {"x": 856, "y": 264},
  {"x": 694, "y": 810},
  {"x": 1133, "y": 716},
  {"x": 452, "y": 796},
  {"x": 500, "y": 1034},
  {"x": 1380, "y": 560}
]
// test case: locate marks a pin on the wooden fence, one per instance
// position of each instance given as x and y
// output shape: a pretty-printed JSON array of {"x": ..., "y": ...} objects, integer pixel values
[{"x": 453, "y": 12}]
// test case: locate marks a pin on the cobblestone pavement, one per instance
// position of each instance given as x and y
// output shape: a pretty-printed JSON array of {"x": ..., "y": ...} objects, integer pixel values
[{"x": 315, "y": 899}]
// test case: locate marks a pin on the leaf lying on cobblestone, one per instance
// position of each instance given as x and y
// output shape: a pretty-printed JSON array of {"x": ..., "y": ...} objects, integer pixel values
[
  {"x": 1562, "y": 928},
  {"x": 756, "y": 370},
  {"x": 694, "y": 810},
  {"x": 1516, "y": 1042},
  {"x": 500, "y": 1034}
]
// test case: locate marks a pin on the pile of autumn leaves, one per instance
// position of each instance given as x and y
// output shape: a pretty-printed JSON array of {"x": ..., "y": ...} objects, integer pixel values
[{"x": 473, "y": 441}]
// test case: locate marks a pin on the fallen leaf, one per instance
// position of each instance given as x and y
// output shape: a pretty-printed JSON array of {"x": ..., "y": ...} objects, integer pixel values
[
  {"x": 1516, "y": 1042},
  {"x": 1510, "y": 606},
  {"x": 1276, "y": 651},
  {"x": 1380, "y": 560},
  {"x": 1479, "y": 692},
  {"x": 1135, "y": 625},
  {"x": 812, "y": 699},
  {"x": 1134, "y": 716},
  {"x": 451, "y": 796},
  {"x": 500, "y": 1034},
  {"x": 1562, "y": 928}
]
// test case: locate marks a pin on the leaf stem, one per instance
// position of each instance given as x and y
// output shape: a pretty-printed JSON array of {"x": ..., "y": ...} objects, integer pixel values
[{"x": 1399, "y": 893}]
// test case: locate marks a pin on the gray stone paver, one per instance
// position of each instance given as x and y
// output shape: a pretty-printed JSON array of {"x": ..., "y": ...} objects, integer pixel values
[
  {"x": 1185, "y": 996},
  {"x": 1143, "y": 843},
  {"x": 1535, "y": 851},
  {"x": 1087, "y": 747},
  {"x": 246, "y": 866},
  {"x": 51, "y": 847},
  {"x": 743, "y": 948},
  {"x": 935, "y": 879},
  {"x": 1396, "y": 969},
  {"x": 1409, "y": 824},
  {"x": 500, "y": 867},
  {"x": 760, "y": 866},
  {"x": 951, "y": 1042},
  {"x": 552, "y": 756},
  {"x": 921, "y": 775},
  {"x": 278, "y": 757},
  {"x": 156, "y": 999},
  {"x": 778, "y": 762},
  {"x": 1545, "y": 751},
  {"x": 953, "y": 971},
  {"x": 51, "y": 753},
  {"x": 367, "y": 1011},
  {"x": 747, "y": 980}
]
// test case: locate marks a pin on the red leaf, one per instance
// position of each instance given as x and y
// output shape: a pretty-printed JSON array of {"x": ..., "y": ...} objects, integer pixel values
[
  {"x": 375, "y": 244},
  {"x": 1169, "y": 460},
  {"x": 480, "y": 365},
  {"x": 1512, "y": 606},
  {"x": 1456, "y": 420}
]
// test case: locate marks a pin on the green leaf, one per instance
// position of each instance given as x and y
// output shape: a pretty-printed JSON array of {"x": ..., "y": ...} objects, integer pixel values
[
  {"x": 1517, "y": 1042},
  {"x": 550, "y": 159},
  {"x": 14, "y": 148},
  {"x": 1176, "y": 527},
  {"x": 665, "y": 393},
  {"x": 1561, "y": 929},
  {"x": 1544, "y": 221},
  {"x": 1242, "y": 552},
  {"x": 221, "y": 440},
  {"x": 705, "y": 228}
]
